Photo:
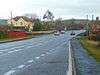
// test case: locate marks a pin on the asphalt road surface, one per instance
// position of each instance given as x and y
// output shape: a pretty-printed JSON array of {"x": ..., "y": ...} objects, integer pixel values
[{"x": 43, "y": 55}]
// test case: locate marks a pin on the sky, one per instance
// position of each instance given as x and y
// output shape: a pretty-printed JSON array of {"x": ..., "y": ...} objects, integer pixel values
[{"x": 65, "y": 9}]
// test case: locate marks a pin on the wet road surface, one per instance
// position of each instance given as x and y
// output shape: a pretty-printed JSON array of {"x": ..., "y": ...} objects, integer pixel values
[{"x": 43, "y": 55}]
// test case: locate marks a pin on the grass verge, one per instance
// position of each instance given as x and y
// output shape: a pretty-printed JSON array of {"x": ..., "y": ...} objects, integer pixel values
[
  {"x": 92, "y": 47},
  {"x": 3, "y": 40}
]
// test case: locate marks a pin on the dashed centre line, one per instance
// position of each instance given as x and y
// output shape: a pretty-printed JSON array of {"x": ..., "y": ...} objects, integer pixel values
[
  {"x": 30, "y": 61},
  {"x": 47, "y": 52},
  {"x": 42, "y": 54},
  {"x": 9, "y": 72},
  {"x": 37, "y": 57},
  {"x": 20, "y": 66}
]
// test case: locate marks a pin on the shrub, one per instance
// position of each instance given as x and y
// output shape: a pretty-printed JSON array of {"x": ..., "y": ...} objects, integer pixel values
[
  {"x": 2, "y": 35},
  {"x": 97, "y": 37}
]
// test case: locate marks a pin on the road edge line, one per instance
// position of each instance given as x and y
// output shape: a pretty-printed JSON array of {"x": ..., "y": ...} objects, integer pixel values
[{"x": 71, "y": 63}]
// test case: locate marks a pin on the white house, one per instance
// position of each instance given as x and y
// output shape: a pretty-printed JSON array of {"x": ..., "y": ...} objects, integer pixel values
[{"x": 22, "y": 22}]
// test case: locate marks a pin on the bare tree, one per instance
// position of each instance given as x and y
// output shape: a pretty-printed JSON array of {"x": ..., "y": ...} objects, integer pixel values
[
  {"x": 59, "y": 24},
  {"x": 48, "y": 15}
]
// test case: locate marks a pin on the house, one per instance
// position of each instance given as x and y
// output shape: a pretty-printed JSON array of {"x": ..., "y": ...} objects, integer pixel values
[
  {"x": 94, "y": 29},
  {"x": 21, "y": 23},
  {"x": 95, "y": 26}
]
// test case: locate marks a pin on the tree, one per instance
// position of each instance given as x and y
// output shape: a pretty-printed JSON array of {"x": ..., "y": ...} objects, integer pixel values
[
  {"x": 59, "y": 25},
  {"x": 37, "y": 25},
  {"x": 48, "y": 17}
]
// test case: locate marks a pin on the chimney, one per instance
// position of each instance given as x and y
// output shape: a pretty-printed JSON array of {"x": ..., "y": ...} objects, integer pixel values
[
  {"x": 97, "y": 18},
  {"x": 92, "y": 17}
]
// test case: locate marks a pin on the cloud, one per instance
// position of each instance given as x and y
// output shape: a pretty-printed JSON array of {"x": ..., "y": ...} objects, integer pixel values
[{"x": 58, "y": 7}]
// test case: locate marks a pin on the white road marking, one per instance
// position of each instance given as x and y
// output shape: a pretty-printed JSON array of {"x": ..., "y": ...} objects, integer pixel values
[
  {"x": 12, "y": 48},
  {"x": 15, "y": 50},
  {"x": 37, "y": 57},
  {"x": 47, "y": 52},
  {"x": 27, "y": 66},
  {"x": 20, "y": 66},
  {"x": 69, "y": 72},
  {"x": 11, "y": 51},
  {"x": 5, "y": 50},
  {"x": 9, "y": 72},
  {"x": 30, "y": 61},
  {"x": 42, "y": 54}
]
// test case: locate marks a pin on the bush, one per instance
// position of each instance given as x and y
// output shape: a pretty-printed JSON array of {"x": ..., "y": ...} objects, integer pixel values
[
  {"x": 2, "y": 35},
  {"x": 37, "y": 25},
  {"x": 97, "y": 37},
  {"x": 83, "y": 34}
]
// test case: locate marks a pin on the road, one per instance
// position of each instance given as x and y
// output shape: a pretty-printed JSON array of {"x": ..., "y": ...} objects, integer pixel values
[{"x": 43, "y": 55}]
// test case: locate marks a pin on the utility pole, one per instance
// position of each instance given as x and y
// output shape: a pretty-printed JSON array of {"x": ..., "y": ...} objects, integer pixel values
[
  {"x": 87, "y": 25},
  {"x": 87, "y": 17},
  {"x": 11, "y": 17},
  {"x": 11, "y": 20}
]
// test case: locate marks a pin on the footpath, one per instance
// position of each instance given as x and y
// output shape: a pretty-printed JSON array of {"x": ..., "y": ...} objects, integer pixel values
[{"x": 84, "y": 63}]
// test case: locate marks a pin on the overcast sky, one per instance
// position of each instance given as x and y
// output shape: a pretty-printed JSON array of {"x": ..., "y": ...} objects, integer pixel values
[{"x": 60, "y": 8}]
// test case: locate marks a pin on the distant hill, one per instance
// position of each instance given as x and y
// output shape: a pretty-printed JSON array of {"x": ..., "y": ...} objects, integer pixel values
[
  {"x": 3, "y": 21},
  {"x": 75, "y": 21}
]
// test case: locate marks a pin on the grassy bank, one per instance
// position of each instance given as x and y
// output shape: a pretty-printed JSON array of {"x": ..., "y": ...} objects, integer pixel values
[
  {"x": 92, "y": 47},
  {"x": 3, "y": 40}
]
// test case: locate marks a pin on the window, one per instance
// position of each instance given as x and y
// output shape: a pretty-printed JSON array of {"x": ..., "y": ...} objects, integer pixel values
[
  {"x": 21, "y": 23},
  {"x": 98, "y": 25}
]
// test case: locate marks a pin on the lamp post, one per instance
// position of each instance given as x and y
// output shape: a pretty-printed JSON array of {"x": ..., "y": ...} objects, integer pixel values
[
  {"x": 87, "y": 25},
  {"x": 11, "y": 24}
]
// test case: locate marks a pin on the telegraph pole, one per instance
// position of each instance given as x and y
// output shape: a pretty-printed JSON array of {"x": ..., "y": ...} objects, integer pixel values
[
  {"x": 87, "y": 26},
  {"x": 11, "y": 20}
]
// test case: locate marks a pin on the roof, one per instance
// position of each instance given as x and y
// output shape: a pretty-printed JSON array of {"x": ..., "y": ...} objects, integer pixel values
[
  {"x": 3, "y": 22},
  {"x": 23, "y": 17}
]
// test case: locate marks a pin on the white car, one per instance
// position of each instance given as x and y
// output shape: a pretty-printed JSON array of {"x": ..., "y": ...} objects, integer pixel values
[
  {"x": 62, "y": 32},
  {"x": 57, "y": 33}
]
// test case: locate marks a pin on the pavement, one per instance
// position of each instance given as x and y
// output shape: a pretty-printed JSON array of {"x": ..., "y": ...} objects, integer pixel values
[
  {"x": 43, "y": 55},
  {"x": 85, "y": 64}
]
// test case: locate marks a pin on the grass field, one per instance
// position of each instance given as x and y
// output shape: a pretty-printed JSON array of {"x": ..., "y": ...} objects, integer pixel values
[{"x": 92, "y": 47}]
